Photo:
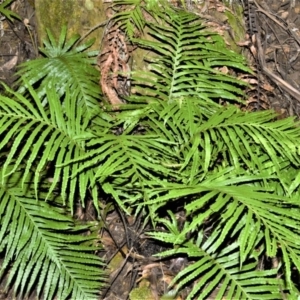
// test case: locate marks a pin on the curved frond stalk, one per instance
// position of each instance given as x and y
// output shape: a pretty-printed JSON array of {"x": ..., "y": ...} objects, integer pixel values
[
  {"x": 64, "y": 68},
  {"x": 45, "y": 247}
]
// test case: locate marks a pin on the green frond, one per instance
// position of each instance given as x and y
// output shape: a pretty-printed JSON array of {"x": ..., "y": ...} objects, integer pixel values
[
  {"x": 9, "y": 14},
  {"x": 184, "y": 142},
  {"x": 64, "y": 68},
  {"x": 249, "y": 135},
  {"x": 234, "y": 173},
  {"x": 132, "y": 15},
  {"x": 186, "y": 63},
  {"x": 253, "y": 211},
  {"x": 130, "y": 18},
  {"x": 45, "y": 134},
  {"x": 220, "y": 272},
  {"x": 45, "y": 245}
]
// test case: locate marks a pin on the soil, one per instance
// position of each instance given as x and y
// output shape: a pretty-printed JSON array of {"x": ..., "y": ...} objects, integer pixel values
[
  {"x": 18, "y": 40},
  {"x": 272, "y": 47}
]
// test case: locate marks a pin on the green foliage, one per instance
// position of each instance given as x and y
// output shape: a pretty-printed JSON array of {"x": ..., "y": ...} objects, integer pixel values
[
  {"x": 188, "y": 62},
  {"x": 64, "y": 67},
  {"x": 221, "y": 266},
  {"x": 172, "y": 147},
  {"x": 234, "y": 173},
  {"x": 42, "y": 134},
  {"x": 39, "y": 128},
  {"x": 45, "y": 244},
  {"x": 130, "y": 14},
  {"x": 7, "y": 12}
]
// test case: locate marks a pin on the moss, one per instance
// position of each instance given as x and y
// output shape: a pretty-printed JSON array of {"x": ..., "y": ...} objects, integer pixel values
[
  {"x": 141, "y": 293},
  {"x": 54, "y": 14},
  {"x": 79, "y": 15},
  {"x": 235, "y": 19}
]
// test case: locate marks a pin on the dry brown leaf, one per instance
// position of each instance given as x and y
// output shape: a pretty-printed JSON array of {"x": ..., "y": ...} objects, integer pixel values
[
  {"x": 167, "y": 279},
  {"x": 10, "y": 64},
  {"x": 267, "y": 87}
]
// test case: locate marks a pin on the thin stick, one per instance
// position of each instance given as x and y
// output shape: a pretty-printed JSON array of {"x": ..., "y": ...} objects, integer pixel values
[{"x": 90, "y": 31}]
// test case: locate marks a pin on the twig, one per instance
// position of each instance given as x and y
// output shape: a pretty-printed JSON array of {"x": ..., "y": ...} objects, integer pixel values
[{"x": 90, "y": 31}]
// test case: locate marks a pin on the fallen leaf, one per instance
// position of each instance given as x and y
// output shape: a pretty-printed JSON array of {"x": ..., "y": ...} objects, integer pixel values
[{"x": 10, "y": 64}]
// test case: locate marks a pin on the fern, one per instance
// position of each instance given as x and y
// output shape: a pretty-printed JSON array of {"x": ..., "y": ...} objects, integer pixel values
[
  {"x": 211, "y": 268},
  {"x": 172, "y": 145},
  {"x": 64, "y": 68},
  {"x": 188, "y": 62},
  {"x": 220, "y": 164},
  {"x": 43, "y": 127},
  {"x": 46, "y": 246},
  {"x": 6, "y": 12},
  {"x": 130, "y": 14},
  {"x": 223, "y": 266},
  {"x": 45, "y": 134}
]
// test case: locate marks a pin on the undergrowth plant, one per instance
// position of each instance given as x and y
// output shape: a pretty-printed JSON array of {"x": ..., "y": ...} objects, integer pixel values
[
  {"x": 7, "y": 13},
  {"x": 172, "y": 147}
]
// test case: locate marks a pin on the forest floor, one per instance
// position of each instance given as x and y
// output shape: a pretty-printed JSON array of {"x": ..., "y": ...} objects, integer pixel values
[{"x": 272, "y": 47}]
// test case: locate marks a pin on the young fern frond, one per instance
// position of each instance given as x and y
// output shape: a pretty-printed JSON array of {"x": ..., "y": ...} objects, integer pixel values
[
  {"x": 47, "y": 247},
  {"x": 132, "y": 15},
  {"x": 64, "y": 68}
]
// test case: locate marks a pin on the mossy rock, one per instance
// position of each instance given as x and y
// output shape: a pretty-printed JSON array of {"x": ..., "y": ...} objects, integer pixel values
[
  {"x": 79, "y": 16},
  {"x": 141, "y": 293}
]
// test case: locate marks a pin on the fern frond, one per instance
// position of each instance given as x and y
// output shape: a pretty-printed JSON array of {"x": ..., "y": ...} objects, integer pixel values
[
  {"x": 219, "y": 271},
  {"x": 243, "y": 212},
  {"x": 43, "y": 134},
  {"x": 45, "y": 246},
  {"x": 248, "y": 135},
  {"x": 9, "y": 14},
  {"x": 64, "y": 68},
  {"x": 234, "y": 167},
  {"x": 187, "y": 64},
  {"x": 223, "y": 270},
  {"x": 132, "y": 15}
]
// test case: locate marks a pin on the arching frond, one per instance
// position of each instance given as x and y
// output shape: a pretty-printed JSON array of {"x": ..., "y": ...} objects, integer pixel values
[
  {"x": 220, "y": 272},
  {"x": 64, "y": 68},
  {"x": 43, "y": 134},
  {"x": 187, "y": 63},
  {"x": 243, "y": 138},
  {"x": 45, "y": 244}
]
